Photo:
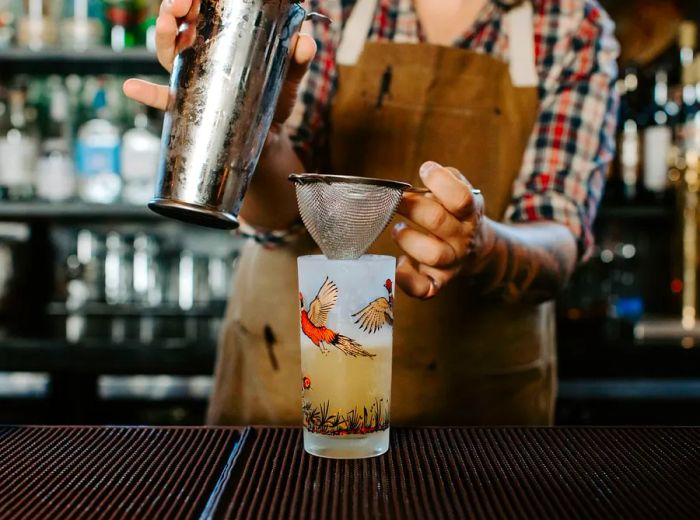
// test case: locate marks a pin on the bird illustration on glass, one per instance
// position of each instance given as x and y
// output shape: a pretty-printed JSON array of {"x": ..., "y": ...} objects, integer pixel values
[
  {"x": 313, "y": 323},
  {"x": 378, "y": 313}
]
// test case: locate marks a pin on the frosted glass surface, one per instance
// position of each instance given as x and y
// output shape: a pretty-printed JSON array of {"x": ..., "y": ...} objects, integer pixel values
[{"x": 346, "y": 317}]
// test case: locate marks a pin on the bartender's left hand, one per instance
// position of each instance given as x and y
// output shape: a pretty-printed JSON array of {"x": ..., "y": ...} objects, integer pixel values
[{"x": 449, "y": 236}]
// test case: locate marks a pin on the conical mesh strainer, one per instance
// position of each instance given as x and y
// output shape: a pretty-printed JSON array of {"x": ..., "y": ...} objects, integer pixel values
[{"x": 343, "y": 214}]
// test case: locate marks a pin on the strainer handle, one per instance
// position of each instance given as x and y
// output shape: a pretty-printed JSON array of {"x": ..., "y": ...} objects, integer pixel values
[{"x": 422, "y": 191}]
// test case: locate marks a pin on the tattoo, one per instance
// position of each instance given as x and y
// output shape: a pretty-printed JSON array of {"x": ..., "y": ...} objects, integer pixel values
[{"x": 527, "y": 263}]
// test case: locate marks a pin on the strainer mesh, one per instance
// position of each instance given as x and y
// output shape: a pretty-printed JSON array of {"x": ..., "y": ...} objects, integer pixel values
[{"x": 345, "y": 218}]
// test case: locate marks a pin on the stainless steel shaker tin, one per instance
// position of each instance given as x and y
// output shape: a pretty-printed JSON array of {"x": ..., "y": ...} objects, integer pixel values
[{"x": 223, "y": 94}]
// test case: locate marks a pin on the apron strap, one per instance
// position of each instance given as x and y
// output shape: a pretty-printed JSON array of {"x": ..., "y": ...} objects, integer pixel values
[
  {"x": 355, "y": 32},
  {"x": 519, "y": 24},
  {"x": 521, "y": 43}
]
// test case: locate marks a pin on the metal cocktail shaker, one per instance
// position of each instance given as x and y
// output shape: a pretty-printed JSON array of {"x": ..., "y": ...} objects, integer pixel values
[{"x": 223, "y": 93}]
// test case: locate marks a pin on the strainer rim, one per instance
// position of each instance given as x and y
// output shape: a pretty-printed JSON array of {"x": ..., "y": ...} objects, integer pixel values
[{"x": 307, "y": 178}]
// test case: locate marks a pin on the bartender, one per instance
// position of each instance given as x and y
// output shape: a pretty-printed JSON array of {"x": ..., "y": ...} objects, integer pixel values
[{"x": 514, "y": 98}]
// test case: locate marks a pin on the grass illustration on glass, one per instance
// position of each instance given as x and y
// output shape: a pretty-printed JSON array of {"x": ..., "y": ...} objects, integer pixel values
[{"x": 355, "y": 422}]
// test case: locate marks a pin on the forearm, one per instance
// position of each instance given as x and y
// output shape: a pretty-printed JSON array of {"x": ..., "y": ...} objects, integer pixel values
[
  {"x": 270, "y": 202},
  {"x": 529, "y": 262}
]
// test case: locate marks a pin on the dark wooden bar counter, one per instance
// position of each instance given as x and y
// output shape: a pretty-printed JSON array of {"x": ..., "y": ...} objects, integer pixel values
[{"x": 142, "y": 472}]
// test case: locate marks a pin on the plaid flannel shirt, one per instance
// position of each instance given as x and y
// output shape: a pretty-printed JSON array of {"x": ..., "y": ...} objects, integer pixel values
[{"x": 566, "y": 160}]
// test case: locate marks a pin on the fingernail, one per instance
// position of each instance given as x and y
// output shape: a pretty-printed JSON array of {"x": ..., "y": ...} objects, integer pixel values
[
  {"x": 433, "y": 289},
  {"x": 427, "y": 168},
  {"x": 398, "y": 228}
]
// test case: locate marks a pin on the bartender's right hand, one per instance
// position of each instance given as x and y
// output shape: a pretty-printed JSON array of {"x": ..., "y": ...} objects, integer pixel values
[{"x": 176, "y": 31}]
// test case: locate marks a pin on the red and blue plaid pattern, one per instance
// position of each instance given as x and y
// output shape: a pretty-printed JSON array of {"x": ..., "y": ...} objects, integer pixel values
[{"x": 572, "y": 143}]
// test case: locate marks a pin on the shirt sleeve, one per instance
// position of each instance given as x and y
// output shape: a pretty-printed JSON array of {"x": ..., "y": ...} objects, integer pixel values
[
  {"x": 307, "y": 125},
  {"x": 573, "y": 141}
]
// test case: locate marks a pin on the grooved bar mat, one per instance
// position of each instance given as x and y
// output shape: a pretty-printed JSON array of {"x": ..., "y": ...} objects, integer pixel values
[
  {"x": 476, "y": 473},
  {"x": 110, "y": 472}
]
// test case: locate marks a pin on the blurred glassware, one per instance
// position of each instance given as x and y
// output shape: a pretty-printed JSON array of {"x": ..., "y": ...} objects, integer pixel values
[
  {"x": 219, "y": 277},
  {"x": 124, "y": 18},
  {"x": 118, "y": 270},
  {"x": 56, "y": 170},
  {"x": 90, "y": 254},
  {"x": 658, "y": 136},
  {"x": 14, "y": 272},
  {"x": 147, "y": 275},
  {"x": 19, "y": 146},
  {"x": 7, "y": 18},
  {"x": 140, "y": 153},
  {"x": 186, "y": 281},
  {"x": 38, "y": 27},
  {"x": 629, "y": 146},
  {"x": 148, "y": 27},
  {"x": 97, "y": 155},
  {"x": 24, "y": 385},
  {"x": 80, "y": 31}
]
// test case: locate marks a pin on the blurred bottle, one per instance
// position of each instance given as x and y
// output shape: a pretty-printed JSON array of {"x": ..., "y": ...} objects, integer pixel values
[
  {"x": 7, "y": 17},
  {"x": 689, "y": 132},
  {"x": 38, "y": 27},
  {"x": 79, "y": 29},
  {"x": 658, "y": 137},
  {"x": 147, "y": 276},
  {"x": 56, "y": 170},
  {"x": 90, "y": 259},
  {"x": 19, "y": 146},
  {"x": 630, "y": 141},
  {"x": 626, "y": 299},
  {"x": 97, "y": 155},
  {"x": 140, "y": 154},
  {"x": 118, "y": 270},
  {"x": 124, "y": 18},
  {"x": 148, "y": 27}
]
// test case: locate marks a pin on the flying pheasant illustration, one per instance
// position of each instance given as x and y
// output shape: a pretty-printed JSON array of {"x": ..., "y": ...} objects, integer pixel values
[
  {"x": 378, "y": 313},
  {"x": 313, "y": 323}
]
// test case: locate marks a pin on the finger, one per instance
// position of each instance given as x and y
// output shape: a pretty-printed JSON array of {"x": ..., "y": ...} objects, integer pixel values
[
  {"x": 167, "y": 28},
  {"x": 450, "y": 188},
  {"x": 166, "y": 39},
  {"x": 438, "y": 277},
  {"x": 185, "y": 38},
  {"x": 304, "y": 50},
  {"x": 413, "y": 282},
  {"x": 432, "y": 216},
  {"x": 187, "y": 30},
  {"x": 177, "y": 8},
  {"x": 424, "y": 248},
  {"x": 147, "y": 93}
]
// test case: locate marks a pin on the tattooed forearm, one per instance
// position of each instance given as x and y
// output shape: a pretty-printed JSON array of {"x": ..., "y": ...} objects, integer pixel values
[{"x": 525, "y": 262}]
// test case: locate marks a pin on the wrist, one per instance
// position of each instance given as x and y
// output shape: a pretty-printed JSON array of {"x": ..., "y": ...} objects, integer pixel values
[{"x": 484, "y": 245}]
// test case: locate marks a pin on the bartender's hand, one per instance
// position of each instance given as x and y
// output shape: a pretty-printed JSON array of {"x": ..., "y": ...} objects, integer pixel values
[
  {"x": 176, "y": 31},
  {"x": 452, "y": 235},
  {"x": 530, "y": 261}
]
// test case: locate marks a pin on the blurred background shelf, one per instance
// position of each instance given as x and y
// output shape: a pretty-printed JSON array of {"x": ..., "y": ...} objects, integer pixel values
[
  {"x": 649, "y": 211},
  {"x": 74, "y": 211},
  {"x": 136, "y": 310},
  {"x": 94, "y": 357},
  {"x": 137, "y": 61}
]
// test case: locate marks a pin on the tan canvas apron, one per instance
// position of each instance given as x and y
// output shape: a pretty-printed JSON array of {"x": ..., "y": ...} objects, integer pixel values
[{"x": 457, "y": 359}]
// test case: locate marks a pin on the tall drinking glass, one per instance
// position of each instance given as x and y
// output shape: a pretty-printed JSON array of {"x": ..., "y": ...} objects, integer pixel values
[{"x": 346, "y": 316}]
